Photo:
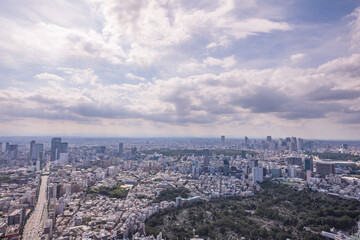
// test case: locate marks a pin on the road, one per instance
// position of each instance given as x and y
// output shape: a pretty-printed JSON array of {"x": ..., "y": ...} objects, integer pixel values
[{"x": 35, "y": 224}]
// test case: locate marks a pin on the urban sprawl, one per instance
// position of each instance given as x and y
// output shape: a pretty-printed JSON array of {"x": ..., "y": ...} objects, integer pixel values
[{"x": 105, "y": 188}]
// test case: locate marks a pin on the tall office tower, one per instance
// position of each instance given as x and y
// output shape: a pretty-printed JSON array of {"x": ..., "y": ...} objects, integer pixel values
[
  {"x": 7, "y": 147},
  {"x": 299, "y": 143},
  {"x": 243, "y": 154},
  {"x": 13, "y": 151},
  {"x": 58, "y": 147},
  {"x": 0, "y": 147},
  {"x": 247, "y": 142},
  {"x": 39, "y": 148},
  {"x": 324, "y": 169},
  {"x": 64, "y": 148},
  {"x": 206, "y": 162},
  {"x": 226, "y": 166},
  {"x": 35, "y": 149},
  {"x": 343, "y": 146},
  {"x": 258, "y": 174},
  {"x": 268, "y": 139},
  {"x": 32, "y": 144},
  {"x": 39, "y": 161},
  {"x": 292, "y": 172},
  {"x": 309, "y": 164},
  {"x": 133, "y": 150},
  {"x": 121, "y": 149},
  {"x": 55, "y": 147},
  {"x": 222, "y": 141},
  {"x": 292, "y": 144},
  {"x": 195, "y": 168}
]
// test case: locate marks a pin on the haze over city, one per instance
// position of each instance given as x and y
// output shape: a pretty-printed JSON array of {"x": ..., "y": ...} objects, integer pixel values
[{"x": 180, "y": 68}]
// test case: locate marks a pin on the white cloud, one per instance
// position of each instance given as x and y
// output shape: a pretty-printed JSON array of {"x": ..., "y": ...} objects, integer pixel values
[
  {"x": 49, "y": 76},
  {"x": 355, "y": 29},
  {"x": 227, "y": 62},
  {"x": 297, "y": 56},
  {"x": 134, "y": 77}
]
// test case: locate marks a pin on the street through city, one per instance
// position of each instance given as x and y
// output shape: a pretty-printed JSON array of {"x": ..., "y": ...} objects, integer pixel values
[{"x": 35, "y": 225}]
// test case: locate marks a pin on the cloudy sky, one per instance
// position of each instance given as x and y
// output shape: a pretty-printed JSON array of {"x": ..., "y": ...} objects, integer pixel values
[{"x": 180, "y": 68}]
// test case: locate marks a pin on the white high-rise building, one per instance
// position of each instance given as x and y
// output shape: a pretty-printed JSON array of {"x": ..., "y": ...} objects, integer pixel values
[
  {"x": 64, "y": 159},
  {"x": 258, "y": 174},
  {"x": 308, "y": 175},
  {"x": 68, "y": 189},
  {"x": 292, "y": 172},
  {"x": 38, "y": 165},
  {"x": 299, "y": 143}
]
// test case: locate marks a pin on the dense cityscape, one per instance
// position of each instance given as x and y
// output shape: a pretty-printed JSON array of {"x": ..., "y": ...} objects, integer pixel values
[
  {"x": 109, "y": 188},
  {"x": 179, "y": 120}
]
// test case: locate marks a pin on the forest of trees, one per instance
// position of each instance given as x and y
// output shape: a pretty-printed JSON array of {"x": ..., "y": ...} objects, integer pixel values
[
  {"x": 114, "y": 192},
  {"x": 278, "y": 212}
]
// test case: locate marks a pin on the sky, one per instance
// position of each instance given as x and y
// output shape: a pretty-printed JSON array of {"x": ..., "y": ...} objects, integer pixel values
[{"x": 166, "y": 68}]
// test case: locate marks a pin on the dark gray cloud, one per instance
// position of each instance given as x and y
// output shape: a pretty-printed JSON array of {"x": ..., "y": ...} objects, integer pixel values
[
  {"x": 262, "y": 100},
  {"x": 327, "y": 93},
  {"x": 41, "y": 99},
  {"x": 271, "y": 100}
]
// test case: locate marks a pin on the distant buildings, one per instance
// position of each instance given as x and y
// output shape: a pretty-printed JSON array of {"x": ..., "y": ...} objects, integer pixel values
[
  {"x": 226, "y": 166},
  {"x": 309, "y": 164},
  {"x": 100, "y": 149},
  {"x": 258, "y": 174},
  {"x": 133, "y": 150},
  {"x": 58, "y": 147},
  {"x": 324, "y": 169},
  {"x": 35, "y": 149},
  {"x": 247, "y": 142},
  {"x": 121, "y": 149},
  {"x": 13, "y": 151},
  {"x": 223, "y": 141}
]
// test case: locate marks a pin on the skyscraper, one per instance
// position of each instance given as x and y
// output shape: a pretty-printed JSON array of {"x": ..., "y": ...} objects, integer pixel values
[
  {"x": 300, "y": 143},
  {"x": 7, "y": 147},
  {"x": 222, "y": 141},
  {"x": 247, "y": 142},
  {"x": 206, "y": 162},
  {"x": 258, "y": 174},
  {"x": 121, "y": 149},
  {"x": 268, "y": 139},
  {"x": 292, "y": 143},
  {"x": 35, "y": 149},
  {"x": 309, "y": 164},
  {"x": 243, "y": 154},
  {"x": 32, "y": 144},
  {"x": 133, "y": 150},
  {"x": 55, "y": 146},
  {"x": 58, "y": 147},
  {"x": 226, "y": 166},
  {"x": 13, "y": 151}
]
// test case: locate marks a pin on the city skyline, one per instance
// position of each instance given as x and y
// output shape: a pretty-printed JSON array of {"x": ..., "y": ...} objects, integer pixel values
[{"x": 180, "y": 69}]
